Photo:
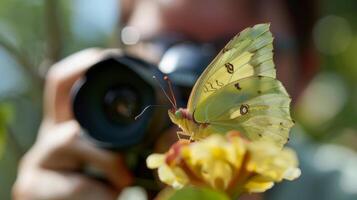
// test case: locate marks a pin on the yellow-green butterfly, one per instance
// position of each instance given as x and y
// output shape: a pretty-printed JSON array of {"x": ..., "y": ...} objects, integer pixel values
[{"x": 239, "y": 91}]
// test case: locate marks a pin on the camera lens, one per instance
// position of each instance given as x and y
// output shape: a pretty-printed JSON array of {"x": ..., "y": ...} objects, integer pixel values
[
  {"x": 122, "y": 104},
  {"x": 109, "y": 96}
]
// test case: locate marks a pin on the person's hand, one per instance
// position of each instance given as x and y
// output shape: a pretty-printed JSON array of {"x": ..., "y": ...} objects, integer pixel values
[{"x": 51, "y": 169}]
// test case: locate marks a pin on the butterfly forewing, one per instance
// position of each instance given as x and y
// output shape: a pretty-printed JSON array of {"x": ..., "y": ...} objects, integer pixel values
[{"x": 247, "y": 54}]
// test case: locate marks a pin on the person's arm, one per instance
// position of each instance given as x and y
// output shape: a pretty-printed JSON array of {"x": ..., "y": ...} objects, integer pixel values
[{"x": 51, "y": 169}]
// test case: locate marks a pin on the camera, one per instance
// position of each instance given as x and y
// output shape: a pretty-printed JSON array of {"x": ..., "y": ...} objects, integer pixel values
[
  {"x": 109, "y": 96},
  {"x": 119, "y": 87}
]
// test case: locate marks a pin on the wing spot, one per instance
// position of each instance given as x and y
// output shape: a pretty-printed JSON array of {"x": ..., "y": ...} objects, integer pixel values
[
  {"x": 205, "y": 89},
  {"x": 260, "y": 77},
  {"x": 225, "y": 49},
  {"x": 237, "y": 86},
  {"x": 209, "y": 87},
  {"x": 260, "y": 135},
  {"x": 229, "y": 67},
  {"x": 219, "y": 83},
  {"x": 281, "y": 123},
  {"x": 212, "y": 86},
  {"x": 259, "y": 91},
  {"x": 244, "y": 109}
]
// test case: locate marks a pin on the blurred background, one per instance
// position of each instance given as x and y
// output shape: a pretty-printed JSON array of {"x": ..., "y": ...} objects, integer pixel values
[{"x": 36, "y": 33}]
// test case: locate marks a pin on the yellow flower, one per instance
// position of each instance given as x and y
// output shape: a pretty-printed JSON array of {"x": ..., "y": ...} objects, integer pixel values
[{"x": 230, "y": 164}]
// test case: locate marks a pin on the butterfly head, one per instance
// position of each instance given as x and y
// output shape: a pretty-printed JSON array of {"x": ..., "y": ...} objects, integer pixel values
[
  {"x": 179, "y": 114},
  {"x": 175, "y": 113}
]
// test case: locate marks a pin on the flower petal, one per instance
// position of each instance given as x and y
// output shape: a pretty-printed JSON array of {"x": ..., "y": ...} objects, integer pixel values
[
  {"x": 175, "y": 177},
  {"x": 258, "y": 184},
  {"x": 292, "y": 173},
  {"x": 217, "y": 173},
  {"x": 155, "y": 160},
  {"x": 271, "y": 161}
]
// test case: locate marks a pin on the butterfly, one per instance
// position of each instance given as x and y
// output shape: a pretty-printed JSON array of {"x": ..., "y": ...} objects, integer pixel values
[{"x": 239, "y": 91}]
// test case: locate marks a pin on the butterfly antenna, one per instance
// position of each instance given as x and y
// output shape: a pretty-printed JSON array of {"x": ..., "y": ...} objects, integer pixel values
[
  {"x": 147, "y": 107},
  {"x": 166, "y": 78},
  {"x": 167, "y": 96}
]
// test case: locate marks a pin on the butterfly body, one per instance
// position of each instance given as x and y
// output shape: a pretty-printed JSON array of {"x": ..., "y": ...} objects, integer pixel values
[
  {"x": 239, "y": 91},
  {"x": 190, "y": 128}
]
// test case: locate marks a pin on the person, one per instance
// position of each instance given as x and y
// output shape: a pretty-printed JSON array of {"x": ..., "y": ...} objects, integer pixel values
[{"x": 51, "y": 168}]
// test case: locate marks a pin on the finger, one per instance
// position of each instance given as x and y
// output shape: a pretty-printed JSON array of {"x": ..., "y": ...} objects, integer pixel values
[
  {"x": 61, "y": 78},
  {"x": 65, "y": 149},
  {"x": 61, "y": 185},
  {"x": 109, "y": 163},
  {"x": 59, "y": 81}
]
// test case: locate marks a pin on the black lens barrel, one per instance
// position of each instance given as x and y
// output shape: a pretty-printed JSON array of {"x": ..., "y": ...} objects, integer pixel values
[{"x": 110, "y": 95}]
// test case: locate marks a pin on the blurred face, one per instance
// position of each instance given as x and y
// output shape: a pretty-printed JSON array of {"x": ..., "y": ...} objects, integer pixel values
[
  {"x": 201, "y": 20},
  {"x": 204, "y": 20}
]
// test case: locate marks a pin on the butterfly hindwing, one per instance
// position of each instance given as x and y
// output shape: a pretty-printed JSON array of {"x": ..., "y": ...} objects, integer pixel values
[{"x": 256, "y": 106}]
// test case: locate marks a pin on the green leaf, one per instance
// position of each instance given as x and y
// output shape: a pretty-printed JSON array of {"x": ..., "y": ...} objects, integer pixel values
[
  {"x": 6, "y": 113},
  {"x": 2, "y": 140},
  {"x": 5, "y": 118},
  {"x": 195, "y": 193}
]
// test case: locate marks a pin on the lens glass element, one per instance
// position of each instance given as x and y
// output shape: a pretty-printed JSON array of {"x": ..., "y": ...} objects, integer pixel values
[{"x": 121, "y": 104}]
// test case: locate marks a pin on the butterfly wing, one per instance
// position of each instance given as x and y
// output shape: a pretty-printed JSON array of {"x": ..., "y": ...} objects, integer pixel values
[
  {"x": 256, "y": 106},
  {"x": 238, "y": 90},
  {"x": 247, "y": 54}
]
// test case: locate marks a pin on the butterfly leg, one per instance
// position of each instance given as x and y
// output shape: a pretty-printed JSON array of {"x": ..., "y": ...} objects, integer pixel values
[
  {"x": 192, "y": 137},
  {"x": 183, "y": 136}
]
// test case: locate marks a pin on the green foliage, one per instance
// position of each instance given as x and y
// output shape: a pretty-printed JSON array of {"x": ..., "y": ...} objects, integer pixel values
[
  {"x": 194, "y": 193},
  {"x": 336, "y": 77},
  {"x": 5, "y": 118}
]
